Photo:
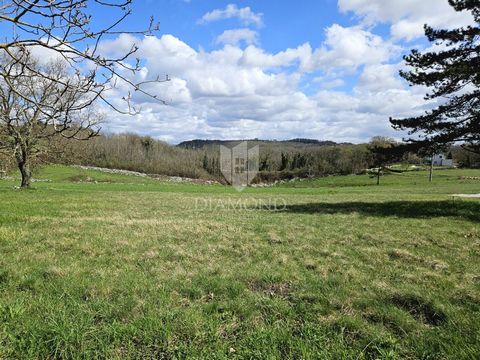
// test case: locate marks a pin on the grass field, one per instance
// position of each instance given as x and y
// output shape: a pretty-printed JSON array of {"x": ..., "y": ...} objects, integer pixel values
[{"x": 95, "y": 265}]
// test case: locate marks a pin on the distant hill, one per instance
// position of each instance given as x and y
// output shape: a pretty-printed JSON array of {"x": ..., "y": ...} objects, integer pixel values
[{"x": 199, "y": 144}]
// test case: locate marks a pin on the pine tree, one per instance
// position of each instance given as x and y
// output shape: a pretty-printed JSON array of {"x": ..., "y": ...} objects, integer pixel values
[{"x": 454, "y": 75}]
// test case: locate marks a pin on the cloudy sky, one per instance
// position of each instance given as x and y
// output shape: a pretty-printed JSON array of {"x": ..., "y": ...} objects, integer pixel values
[{"x": 277, "y": 69}]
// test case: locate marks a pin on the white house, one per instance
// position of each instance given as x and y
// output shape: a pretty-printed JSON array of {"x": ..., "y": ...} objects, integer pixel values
[{"x": 439, "y": 160}]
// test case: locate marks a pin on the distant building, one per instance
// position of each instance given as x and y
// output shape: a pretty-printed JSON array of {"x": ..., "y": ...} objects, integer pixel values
[{"x": 440, "y": 160}]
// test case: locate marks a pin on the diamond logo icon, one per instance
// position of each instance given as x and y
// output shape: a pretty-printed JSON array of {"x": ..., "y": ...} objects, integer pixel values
[{"x": 239, "y": 164}]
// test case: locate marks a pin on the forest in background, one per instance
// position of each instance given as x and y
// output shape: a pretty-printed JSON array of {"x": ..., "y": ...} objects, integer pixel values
[{"x": 200, "y": 159}]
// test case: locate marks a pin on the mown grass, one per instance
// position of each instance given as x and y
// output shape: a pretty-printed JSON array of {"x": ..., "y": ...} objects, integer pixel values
[{"x": 96, "y": 265}]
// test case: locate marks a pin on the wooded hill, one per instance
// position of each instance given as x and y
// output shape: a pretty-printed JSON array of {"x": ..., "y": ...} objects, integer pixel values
[
  {"x": 200, "y": 144},
  {"x": 200, "y": 159}
]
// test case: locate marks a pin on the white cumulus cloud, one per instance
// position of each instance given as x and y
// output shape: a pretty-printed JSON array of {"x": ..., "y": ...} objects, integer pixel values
[
  {"x": 236, "y": 36},
  {"x": 407, "y": 17},
  {"x": 245, "y": 15},
  {"x": 350, "y": 47},
  {"x": 244, "y": 93}
]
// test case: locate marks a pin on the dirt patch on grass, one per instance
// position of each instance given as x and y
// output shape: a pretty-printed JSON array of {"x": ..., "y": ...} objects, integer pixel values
[
  {"x": 281, "y": 289},
  {"x": 475, "y": 235},
  {"x": 420, "y": 309}
]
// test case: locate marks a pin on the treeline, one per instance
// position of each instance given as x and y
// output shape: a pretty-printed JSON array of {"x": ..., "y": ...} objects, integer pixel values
[
  {"x": 278, "y": 160},
  {"x": 465, "y": 158},
  {"x": 286, "y": 162},
  {"x": 131, "y": 152}
]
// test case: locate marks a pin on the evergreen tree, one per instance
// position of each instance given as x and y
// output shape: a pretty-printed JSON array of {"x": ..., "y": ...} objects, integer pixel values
[{"x": 454, "y": 75}]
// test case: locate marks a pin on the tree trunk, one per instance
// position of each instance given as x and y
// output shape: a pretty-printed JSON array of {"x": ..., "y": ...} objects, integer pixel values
[
  {"x": 24, "y": 167},
  {"x": 26, "y": 174},
  {"x": 378, "y": 176},
  {"x": 430, "y": 176}
]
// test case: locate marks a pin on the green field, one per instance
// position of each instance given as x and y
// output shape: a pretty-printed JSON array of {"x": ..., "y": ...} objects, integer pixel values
[{"x": 95, "y": 265}]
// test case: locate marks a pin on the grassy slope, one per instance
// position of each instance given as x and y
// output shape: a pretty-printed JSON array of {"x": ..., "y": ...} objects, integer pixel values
[{"x": 130, "y": 267}]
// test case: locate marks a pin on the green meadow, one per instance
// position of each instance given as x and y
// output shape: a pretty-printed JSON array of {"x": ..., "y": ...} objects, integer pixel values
[{"x": 96, "y": 265}]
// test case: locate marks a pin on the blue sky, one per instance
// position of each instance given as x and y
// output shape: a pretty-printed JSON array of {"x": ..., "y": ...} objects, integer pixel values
[
  {"x": 323, "y": 69},
  {"x": 284, "y": 25}
]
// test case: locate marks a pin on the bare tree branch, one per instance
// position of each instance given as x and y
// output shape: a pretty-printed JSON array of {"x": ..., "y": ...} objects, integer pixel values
[{"x": 66, "y": 28}]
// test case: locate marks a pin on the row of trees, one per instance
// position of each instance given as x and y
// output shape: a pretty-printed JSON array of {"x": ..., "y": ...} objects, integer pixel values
[{"x": 276, "y": 162}]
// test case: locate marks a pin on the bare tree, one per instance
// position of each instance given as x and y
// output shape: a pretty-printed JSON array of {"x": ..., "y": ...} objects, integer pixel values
[
  {"x": 41, "y": 101},
  {"x": 34, "y": 109},
  {"x": 66, "y": 28}
]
